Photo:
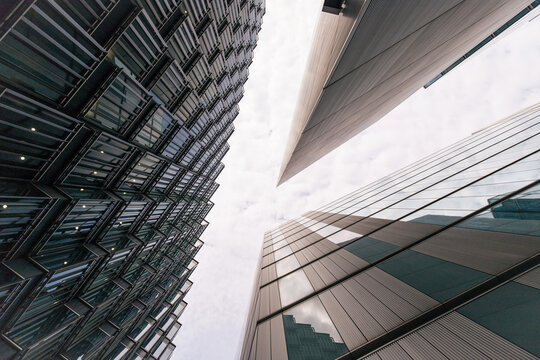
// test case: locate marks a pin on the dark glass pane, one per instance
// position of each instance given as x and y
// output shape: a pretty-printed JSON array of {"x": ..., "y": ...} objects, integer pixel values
[{"x": 437, "y": 278}]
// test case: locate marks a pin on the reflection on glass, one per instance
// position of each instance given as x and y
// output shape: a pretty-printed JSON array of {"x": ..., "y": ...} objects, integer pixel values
[
  {"x": 286, "y": 265},
  {"x": 293, "y": 287},
  {"x": 334, "y": 233},
  {"x": 310, "y": 334},
  {"x": 518, "y": 215},
  {"x": 281, "y": 253},
  {"x": 510, "y": 311},
  {"x": 370, "y": 249},
  {"x": 440, "y": 279},
  {"x": 279, "y": 244}
]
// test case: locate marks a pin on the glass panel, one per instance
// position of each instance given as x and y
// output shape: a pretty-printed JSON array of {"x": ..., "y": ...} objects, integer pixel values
[
  {"x": 120, "y": 104},
  {"x": 370, "y": 249},
  {"x": 310, "y": 334},
  {"x": 437, "y": 278},
  {"x": 294, "y": 287},
  {"x": 518, "y": 215},
  {"x": 510, "y": 311},
  {"x": 286, "y": 265}
]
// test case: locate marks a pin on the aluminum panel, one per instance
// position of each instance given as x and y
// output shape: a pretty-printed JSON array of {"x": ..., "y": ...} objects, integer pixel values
[
  {"x": 485, "y": 341},
  {"x": 264, "y": 298},
  {"x": 416, "y": 298},
  {"x": 532, "y": 278},
  {"x": 263, "y": 341},
  {"x": 487, "y": 251},
  {"x": 369, "y": 327},
  {"x": 334, "y": 269},
  {"x": 323, "y": 272},
  {"x": 392, "y": 300},
  {"x": 279, "y": 346},
  {"x": 419, "y": 348},
  {"x": 275, "y": 303},
  {"x": 314, "y": 278},
  {"x": 380, "y": 312},
  {"x": 345, "y": 326}
]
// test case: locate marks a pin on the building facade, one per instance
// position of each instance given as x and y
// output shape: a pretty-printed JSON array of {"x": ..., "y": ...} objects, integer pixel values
[
  {"x": 369, "y": 56},
  {"x": 439, "y": 260},
  {"x": 114, "y": 116}
]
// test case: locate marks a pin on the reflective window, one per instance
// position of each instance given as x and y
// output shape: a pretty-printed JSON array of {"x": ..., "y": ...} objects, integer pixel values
[
  {"x": 510, "y": 311},
  {"x": 286, "y": 265},
  {"x": 437, "y": 278},
  {"x": 371, "y": 249},
  {"x": 310, "y": 334},
  {"x": 294, "y": 287},
  {"x": 281, "y": 253}
]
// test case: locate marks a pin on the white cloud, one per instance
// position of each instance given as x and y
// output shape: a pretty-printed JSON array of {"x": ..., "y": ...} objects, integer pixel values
[{"x": 501, "y": 79}]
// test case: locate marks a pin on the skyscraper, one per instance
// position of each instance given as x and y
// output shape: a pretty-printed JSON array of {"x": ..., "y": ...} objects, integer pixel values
[
  {"x": 369, "y": 56},
  {"x": 114, "y": 116},
  {"x": 439, "y": 260}
]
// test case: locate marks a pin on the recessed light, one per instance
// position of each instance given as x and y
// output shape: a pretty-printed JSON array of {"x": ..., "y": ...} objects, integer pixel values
[
  {"x": 112, "y": 248},
  {"x": 95, "y": 172},
  {"x": 84, "y": 206},
  {"x": 33, "y": 129},
  {"x": 4, "y": 206},
  {"x": 76, "y": 228},
  {"x": 82, "y": 189},
  {"x": 102, "y": 152},
  {"x": 22, "y": 158},
  {"x": 65, "y": 262}
]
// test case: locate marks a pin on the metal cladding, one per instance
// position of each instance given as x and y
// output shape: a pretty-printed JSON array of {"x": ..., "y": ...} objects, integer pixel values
[
  {"x": 375, "y": 54},
  {"x": 114, "y": 117},
  {"x": 439, "y": 260}
]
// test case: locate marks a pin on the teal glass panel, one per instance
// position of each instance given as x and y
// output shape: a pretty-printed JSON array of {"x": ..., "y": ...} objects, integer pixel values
[
  {"x": 437, "y": 278},
  {"x": 370, "y": 249},
  {"x": 310, "y": 334},
  {"x": 510, "y": 311}
]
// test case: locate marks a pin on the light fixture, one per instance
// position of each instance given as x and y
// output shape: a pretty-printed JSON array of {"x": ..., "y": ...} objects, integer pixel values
[
  {"x": 22, "y": 158},
  {"x": 84, "y": 206},
  {"x": 102, "y": 152},
  {"x": 4, "y": 206},
  {"x": 121, "y": 223},
  {"x": 76, "y": 228},
  {"x": 112, "y": 248},
  {"x": 65, "y": 262},
  {"x": 124, "y": 193},
  {"x": 95, "y": 172},
  {"x": 82, "y": 189},
  {"x": 33, "y": 129}
]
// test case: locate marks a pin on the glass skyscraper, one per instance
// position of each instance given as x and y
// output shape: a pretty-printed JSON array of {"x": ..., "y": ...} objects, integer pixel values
[
  {"x": 114, "y": 117},
  {"x": 439, "y": 260}
]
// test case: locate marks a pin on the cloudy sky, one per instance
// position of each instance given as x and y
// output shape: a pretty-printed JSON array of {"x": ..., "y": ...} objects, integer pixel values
[{"x": 499, "y": 80}]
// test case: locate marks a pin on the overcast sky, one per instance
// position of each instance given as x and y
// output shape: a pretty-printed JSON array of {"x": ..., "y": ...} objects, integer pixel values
[{"x": 501, "y": 79}]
